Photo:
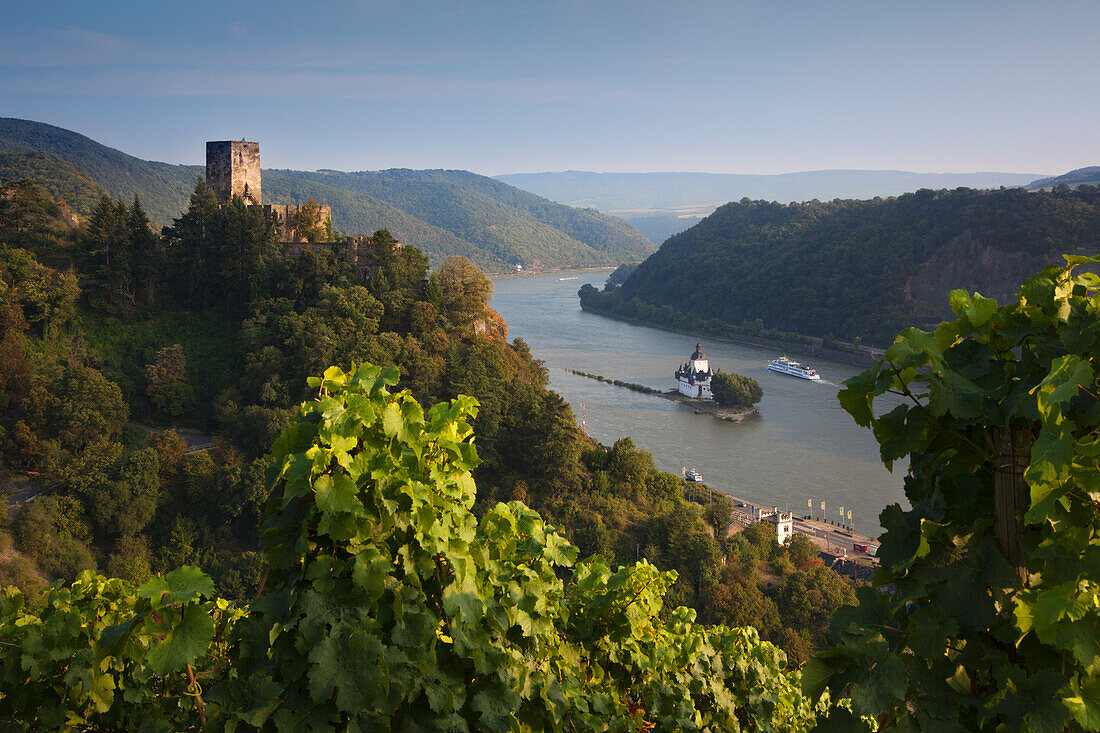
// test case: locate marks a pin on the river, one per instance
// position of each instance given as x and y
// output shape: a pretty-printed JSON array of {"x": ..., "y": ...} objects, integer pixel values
[{"x": 802, "y": 445}]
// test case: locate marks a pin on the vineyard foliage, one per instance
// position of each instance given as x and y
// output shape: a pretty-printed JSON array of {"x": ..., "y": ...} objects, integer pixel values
[
  {"x": 388, "y": 604},
  {"x": 993, "y": 617}
]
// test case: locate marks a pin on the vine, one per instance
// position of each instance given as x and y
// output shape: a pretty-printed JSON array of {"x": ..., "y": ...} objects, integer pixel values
[
  {"x": 992, "y": 621},
  {"x": 388, "y": 604}
]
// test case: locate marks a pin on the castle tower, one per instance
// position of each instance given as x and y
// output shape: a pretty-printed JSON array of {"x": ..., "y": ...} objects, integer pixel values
[{"x": 233, "y": 169}]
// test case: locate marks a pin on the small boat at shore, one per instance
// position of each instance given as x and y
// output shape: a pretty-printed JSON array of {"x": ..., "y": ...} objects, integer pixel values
[
  {"x": 694, "y": 476},
  {"x": 783, "y": 365}
]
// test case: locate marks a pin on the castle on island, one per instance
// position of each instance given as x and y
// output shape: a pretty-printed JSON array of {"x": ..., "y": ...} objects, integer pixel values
[
  {"x": 233, "y": 169},
  {"x": 694, "y": 377}
]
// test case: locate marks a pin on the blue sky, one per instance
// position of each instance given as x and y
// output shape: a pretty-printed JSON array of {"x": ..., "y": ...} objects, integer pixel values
[{"x": 524, "y": 85}]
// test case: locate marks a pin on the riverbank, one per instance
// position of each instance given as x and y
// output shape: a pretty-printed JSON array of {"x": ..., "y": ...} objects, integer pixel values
[
  {"x": 736, "y": 413},
  {"x": 865, "y": 358},
  {"x": 508, "y": 274}
]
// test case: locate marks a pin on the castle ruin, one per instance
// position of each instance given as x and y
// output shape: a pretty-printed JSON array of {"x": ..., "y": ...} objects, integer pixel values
[{"x": 233, "y": 169}]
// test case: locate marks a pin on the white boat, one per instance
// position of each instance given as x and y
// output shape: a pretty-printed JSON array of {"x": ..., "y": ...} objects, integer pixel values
[
  {"x": 560, "y": 279},
  {"x": 694, "y": 476},
  {"x": 783, "y": 365}
]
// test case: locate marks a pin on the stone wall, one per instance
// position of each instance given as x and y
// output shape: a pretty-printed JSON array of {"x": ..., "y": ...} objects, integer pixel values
[
  {"x": 285, "y": 214},
  {"x": 233, "y": 169},
  {"x": 353, "y": 251}
]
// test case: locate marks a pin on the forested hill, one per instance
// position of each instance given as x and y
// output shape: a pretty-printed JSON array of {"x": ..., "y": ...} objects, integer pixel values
[
  {"x": 854, "y": 268},
  {"x": 444, "y": 212},
  {"x": 163, "y": 188},
  {"x": 1081, "y": 176},
  {"x": 663, "y": 204}
]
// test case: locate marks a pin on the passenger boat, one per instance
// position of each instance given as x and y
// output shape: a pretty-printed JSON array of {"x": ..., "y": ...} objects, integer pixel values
[
  {"x": 783, "y": 365},
  {"x": 694, "y": 476}
]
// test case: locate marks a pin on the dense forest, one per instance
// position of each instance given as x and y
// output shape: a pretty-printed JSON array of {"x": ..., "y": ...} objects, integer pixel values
[
  {"x": 444, "y": 213},
  {"x": 853, "y": 269},
  {"x": 124, "y": 348},
  {"x": 341, "y": 557}
]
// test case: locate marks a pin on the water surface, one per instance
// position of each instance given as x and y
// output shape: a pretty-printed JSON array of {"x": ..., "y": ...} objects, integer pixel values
[{"x": 801, "y": 446}]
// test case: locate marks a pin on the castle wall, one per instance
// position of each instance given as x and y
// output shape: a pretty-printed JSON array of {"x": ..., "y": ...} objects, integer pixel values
[
  {"x": 233, "y": 169},
  {"x": 285, "y": 214}
]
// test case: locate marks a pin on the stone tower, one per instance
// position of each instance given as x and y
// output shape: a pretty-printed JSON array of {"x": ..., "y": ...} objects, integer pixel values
[{"x": 233, "y": 169}]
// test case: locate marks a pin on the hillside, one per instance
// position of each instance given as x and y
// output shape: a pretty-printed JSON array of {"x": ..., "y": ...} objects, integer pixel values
[
  {"x": 507, "y": 225},
  {"x": 855, "y": 268},
  {"x": 163, "y": 188},
  {"x": 661, "y": 204},
  {"x": 62, "y": 181},
  {"x": 443, "y": 212},
  {"x": 1089, "y": 176}
]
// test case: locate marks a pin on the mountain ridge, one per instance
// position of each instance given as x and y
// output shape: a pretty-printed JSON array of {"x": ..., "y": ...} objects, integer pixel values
[
  {"x": 661, "y": 204},
  {"x": 442, "y": 212},
  {"x": 853, "y": 269},
  {"x": 1089, "y": 175}
]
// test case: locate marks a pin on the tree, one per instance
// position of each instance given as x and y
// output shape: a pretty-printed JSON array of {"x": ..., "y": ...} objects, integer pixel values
[
  {"x": 167, "y": 383},
  {"x": 307, "y": 223},
  {"x": 48, "y": 297},
  {"x": 994, "y": 619},
  {"x": 735, "y": 389},
  {"x": 125, "y": 505},
  {"x": 464, "y": 290},
  {"x": 146, "y": 264},
  {"x": 194, "y": 257}
]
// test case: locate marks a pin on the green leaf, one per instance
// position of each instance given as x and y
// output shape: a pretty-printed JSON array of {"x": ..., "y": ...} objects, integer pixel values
[
  {"x": 181, "y": 585},
  {"x": 1067, "y": 375},
  {"x": 337, "y": 493},
  {"x": 954, "y": 394},
  {"x": 1084, "y": 703},
  {"x": 392, "y": 422},
  {"x": 816, "y": 674},
  {"x": 914, "y": 348},
  {"x": 959, "y": 301},
  {"x": 980, "y": 310},
  {"x": 187, "y": 641}
]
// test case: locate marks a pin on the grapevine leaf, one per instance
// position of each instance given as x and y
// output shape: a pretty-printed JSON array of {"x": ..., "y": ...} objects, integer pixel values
[
  {"x": 337, "y": 493},
  {"x": 954, "y": 394},
  {"x": 903, "y": 540},
  {"x": 980, "y": 310},
  {"x": 112, "y": 634},
  {"x": 392, "y": 423},
  {"x": 1075, "y": 260},
  {"x": 914, "y": 348},
  {"x": 181, "y": 585},
  {"x": 187, "y": 640},
  {"x": 1067, "y": 375},
  {"x": 1084, "y": 703},
  {"x": 816, "y": 674}
]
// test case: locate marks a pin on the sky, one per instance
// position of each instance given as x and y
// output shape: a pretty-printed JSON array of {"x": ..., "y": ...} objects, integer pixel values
[{"x": 510, "y": 86}]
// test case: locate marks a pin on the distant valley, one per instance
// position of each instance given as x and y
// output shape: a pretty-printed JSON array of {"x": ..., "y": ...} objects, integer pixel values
[{"x": 662, "y": 204}]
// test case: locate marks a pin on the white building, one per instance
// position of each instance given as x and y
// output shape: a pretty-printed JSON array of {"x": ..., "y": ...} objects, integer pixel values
[
  {"x": 783, "y": 521},
  {"x": 694, "y": 377}
]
